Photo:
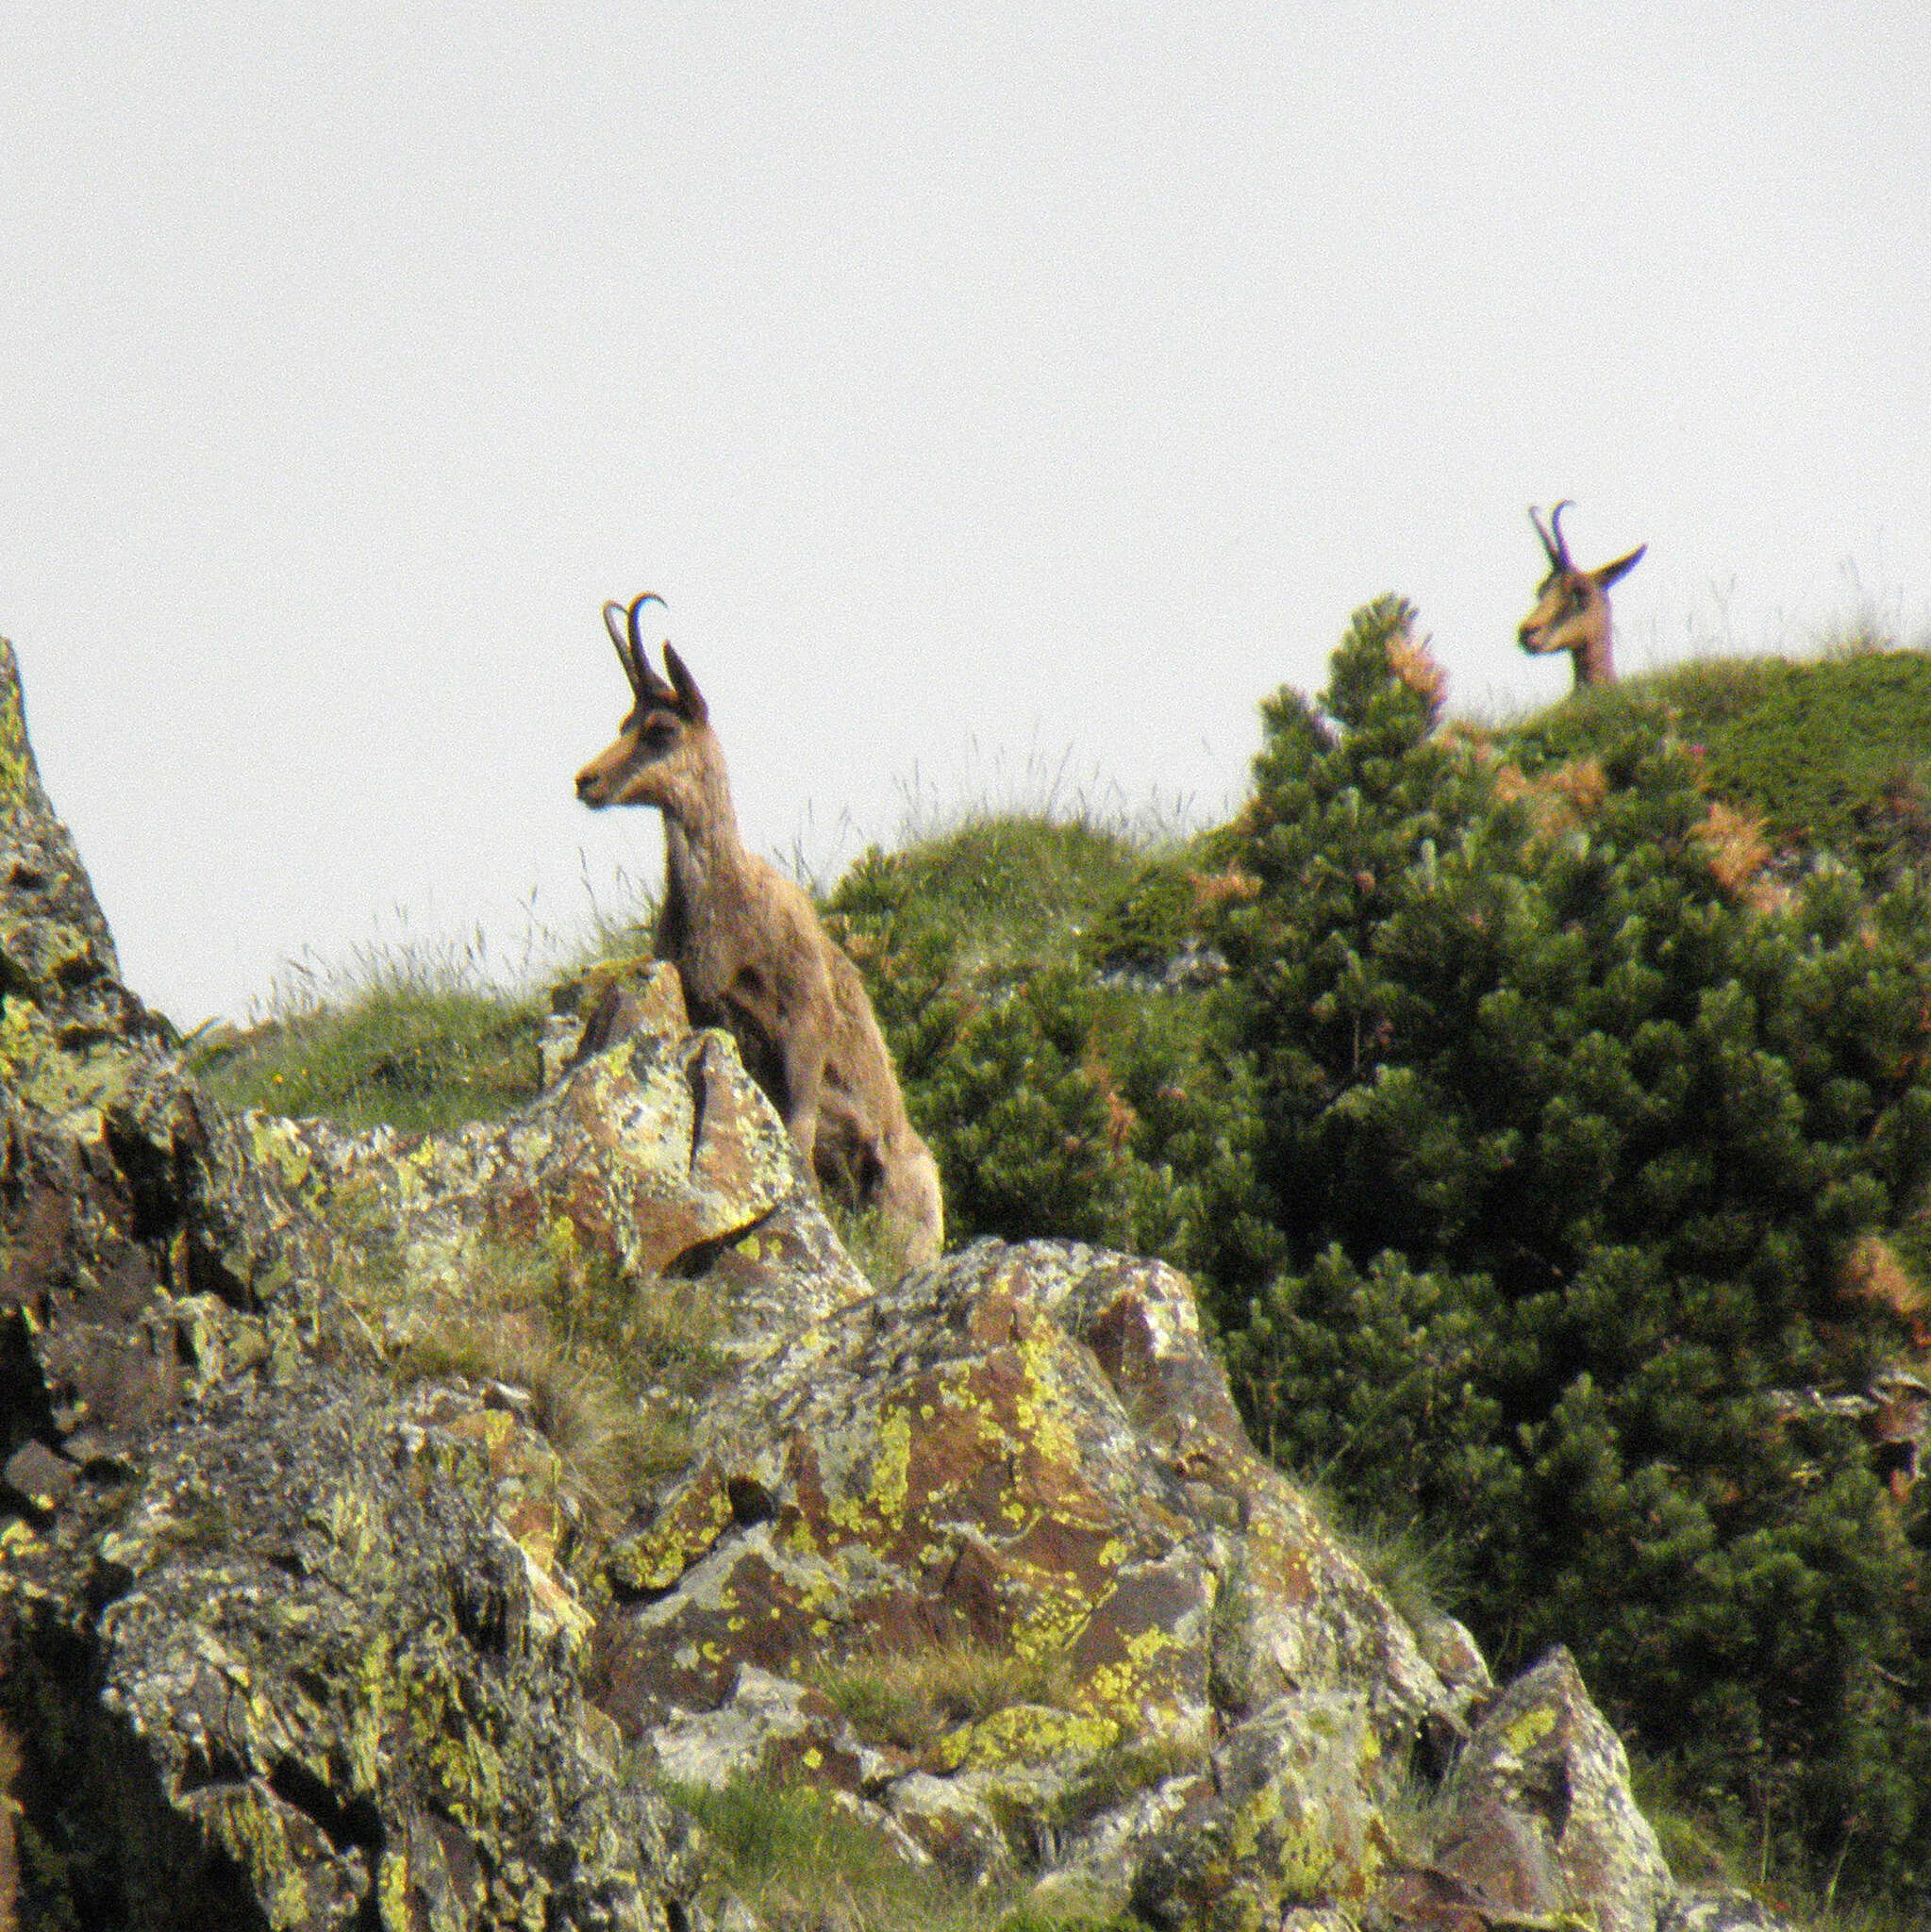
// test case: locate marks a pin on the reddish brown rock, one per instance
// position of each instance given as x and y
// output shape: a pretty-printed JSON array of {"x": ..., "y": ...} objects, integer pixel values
[{"x": 1537, "y": 1823}]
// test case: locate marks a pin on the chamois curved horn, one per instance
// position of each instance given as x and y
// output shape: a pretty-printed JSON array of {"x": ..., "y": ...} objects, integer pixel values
[
  {"x": 1562, "y": 562},
  {"x": 1548, "y": 548},
  {"x": 613, "y": 622},
  {"x": 643, "y": 680}
]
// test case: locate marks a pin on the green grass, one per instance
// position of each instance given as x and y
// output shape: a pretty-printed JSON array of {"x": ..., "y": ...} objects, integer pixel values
[
  {"x": 394, "y": 1039},
  {"x": 615, "y": 1370},
  {"x": 796, "y": 1858},
  {"x": 991, "y": 895},
  {"x": 1833, "y": 752}
]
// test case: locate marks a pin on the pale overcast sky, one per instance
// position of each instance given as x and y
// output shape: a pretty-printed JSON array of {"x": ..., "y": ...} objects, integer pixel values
[{"x": 976, "y": 383}]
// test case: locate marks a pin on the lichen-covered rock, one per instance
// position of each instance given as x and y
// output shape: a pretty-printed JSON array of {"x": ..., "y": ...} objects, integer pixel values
[
  {"x": 1537, "y": 1821},
  {"x": 656, "y": 1151},
  {"x": 1091, "y": 1871},
  {"x": 278, "y": 1647},
  {"x": 1030, "y": 1451},
  {"x": 1290, "y": 1819},
  {"x": 953, "y": 1824},
  {"x": 769, "y": 1729},
  {"x": 355, "y": 1684}
]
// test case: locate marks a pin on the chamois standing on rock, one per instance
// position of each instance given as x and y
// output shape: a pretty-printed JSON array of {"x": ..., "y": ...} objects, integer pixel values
[
  {"x": 754, "y": 959},
  {"x": 1572, "y": 611}
]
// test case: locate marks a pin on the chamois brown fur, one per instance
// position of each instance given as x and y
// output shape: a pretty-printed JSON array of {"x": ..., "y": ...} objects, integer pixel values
[
  {"x": 1572, "y": 611},
  {"x": 754, "y": 959}
]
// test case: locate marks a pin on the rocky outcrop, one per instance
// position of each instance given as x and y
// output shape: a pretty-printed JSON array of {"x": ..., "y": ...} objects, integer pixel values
[
  {"x": 1535, "y": 1823},
  {"x": 315, "y": 1613},
  {"x": 279, "y": 1645},
  {"x": 1030, "y": 1452}
]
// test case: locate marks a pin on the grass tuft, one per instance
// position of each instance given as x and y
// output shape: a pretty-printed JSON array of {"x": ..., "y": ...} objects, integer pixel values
[
  {"x": 405, "y": 1037},
  {"x": 799, "y": 1859},
  {"x": 614, "y": 1370},
  {"x": 910, "y": 1699}
]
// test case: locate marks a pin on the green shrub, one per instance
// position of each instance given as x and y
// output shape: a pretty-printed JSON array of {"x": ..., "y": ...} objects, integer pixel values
[
  {"x": 1568, "y": 1144},
  {"x": 1832, "y": 755},
  {"x": 1055, "y": 1106}
]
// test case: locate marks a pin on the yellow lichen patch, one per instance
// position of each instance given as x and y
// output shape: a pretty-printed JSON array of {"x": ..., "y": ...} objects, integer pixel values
[
  {"x": 1126, "y": 1686},
  {"x": 1531, "y": 1728},
  {"x": 18, "y": 778},
  {"x": 252, "y": 1826},
  {"x": 889, "y": 1468},
  {"x": 879, "y": 1504},
  {"x": 553, "y": 1608},
  {"x": 72, "y": 1087},
  {"x": 1050, "y": 1607},
  {"x": 18, "y": 1539},
  {"x": 24, "y": 1037},
  {"x": 682, "y": 1533},
  {"x": 1026, "y": 1734},
  {"x": 277, "y": 1145},
  {"x": 1042, "y": 1409}
]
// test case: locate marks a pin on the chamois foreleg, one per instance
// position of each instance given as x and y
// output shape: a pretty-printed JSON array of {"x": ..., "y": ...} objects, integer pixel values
[{"x": 803, "y": 1050}]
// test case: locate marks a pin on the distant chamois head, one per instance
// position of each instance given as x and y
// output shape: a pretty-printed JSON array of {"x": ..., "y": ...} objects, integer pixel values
[
  {"x": 665, "y": 754},
  {"x": 1572, "y": 611}
]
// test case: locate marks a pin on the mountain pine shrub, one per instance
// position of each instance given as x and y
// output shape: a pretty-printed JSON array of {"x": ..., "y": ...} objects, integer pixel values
[{"x": 1570, "y": 1142}]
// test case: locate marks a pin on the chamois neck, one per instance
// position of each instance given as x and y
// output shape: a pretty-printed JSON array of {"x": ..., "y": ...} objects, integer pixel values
[
  {"x": 701, "y": 843},
  {"x": 1594, "y": 664}
]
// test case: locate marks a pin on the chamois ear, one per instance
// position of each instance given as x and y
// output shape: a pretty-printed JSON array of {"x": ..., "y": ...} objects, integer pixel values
[
  {"x": 689, "y": 699},
  {"x": 1612, "y": 572}
]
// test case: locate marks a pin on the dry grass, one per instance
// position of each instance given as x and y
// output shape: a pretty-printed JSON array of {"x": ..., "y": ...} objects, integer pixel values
[
  {"x": 910, "y": 1699},
  {"x": 1873, "y": 1272},
  {"x": 613, "y": 1369},
  {"x": 1560, "y": 800},
  {"x": 1411, "y": 661},
  {"x": 1735, "y": 849},
  {"x": 875, "y": 1245}
]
